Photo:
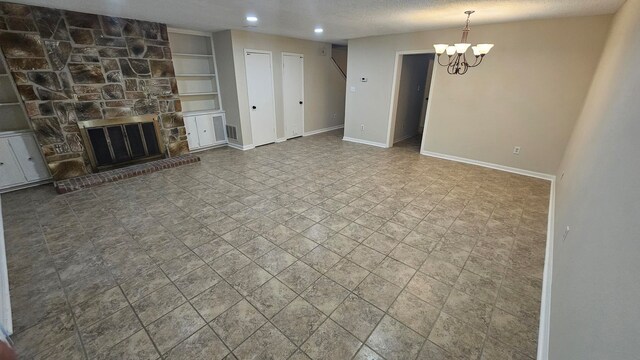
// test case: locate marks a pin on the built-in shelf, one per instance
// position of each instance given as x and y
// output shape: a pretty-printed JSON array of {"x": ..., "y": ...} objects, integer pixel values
[
  {"x": 192, "y": 55},
  {"x": 195, "y": 75},
  {"x": 199, "y": 94},
  {"x": 10, "y": 104}
]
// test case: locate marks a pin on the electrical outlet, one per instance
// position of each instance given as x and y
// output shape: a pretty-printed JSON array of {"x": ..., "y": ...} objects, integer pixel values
[
  {"x": 335, "y": 116},
  {"x": 361, "y": 127},
  {"x": 516, "y": 150},
  {"x": 566, "y": 232}
]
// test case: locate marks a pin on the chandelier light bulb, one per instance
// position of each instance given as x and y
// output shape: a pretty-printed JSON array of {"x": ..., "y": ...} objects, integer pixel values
[
  {"x": 476, "y": 50},
  {"x": 462, "y": 48},
  {"x": 440, "y": 48},
  {"x": 484, "y": 48},
  {"x": 451, "y": 50}
]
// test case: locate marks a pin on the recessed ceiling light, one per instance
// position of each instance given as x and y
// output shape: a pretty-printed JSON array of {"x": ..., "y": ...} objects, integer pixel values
[
  {"x": 252, "y": 18},
  {"x": 318, "y": 30}
]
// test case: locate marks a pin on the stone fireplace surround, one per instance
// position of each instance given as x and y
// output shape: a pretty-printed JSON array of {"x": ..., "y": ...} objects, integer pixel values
[{"x": 71, "y": 67}]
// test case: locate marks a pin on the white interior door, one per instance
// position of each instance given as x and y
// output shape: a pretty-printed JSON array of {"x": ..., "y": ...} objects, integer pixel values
[
  {"x": 261, "y": 97},
  {"x": 293, "y": 94}
]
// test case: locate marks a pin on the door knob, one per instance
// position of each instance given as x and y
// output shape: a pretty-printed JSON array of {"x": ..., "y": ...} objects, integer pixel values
[
  {"x": 300, "y": 102},
  {"x": 253, "y": 107}
]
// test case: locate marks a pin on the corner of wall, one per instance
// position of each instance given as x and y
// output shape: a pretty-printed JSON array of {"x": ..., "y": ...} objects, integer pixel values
[{"x": 545, "y": 304}]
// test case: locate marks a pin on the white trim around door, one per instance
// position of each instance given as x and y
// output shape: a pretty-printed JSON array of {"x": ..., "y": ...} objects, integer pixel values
[{"x": 395, "y": 89}]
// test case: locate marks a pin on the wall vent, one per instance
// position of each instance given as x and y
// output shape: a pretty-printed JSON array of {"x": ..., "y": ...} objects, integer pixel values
[{"x": 231, "y": 132}]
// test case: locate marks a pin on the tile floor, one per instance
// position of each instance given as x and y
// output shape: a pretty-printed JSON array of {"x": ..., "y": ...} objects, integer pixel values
[{"x": 312, "y": 248}]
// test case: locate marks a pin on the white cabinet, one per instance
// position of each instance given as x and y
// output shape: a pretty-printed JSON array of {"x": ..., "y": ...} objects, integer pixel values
[
  {"x": 205, "y": 130},
  {"x": 20, "y": 161},
  {"x": 10, "y": 173}
]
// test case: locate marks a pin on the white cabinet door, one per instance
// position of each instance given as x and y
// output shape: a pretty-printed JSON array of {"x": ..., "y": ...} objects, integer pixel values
[
  {"x": 10, "y": 172},
  {"x": 29, "y": 157},
  {"x": 206, "y": 133},
  {"x": 192, "y": 132}
]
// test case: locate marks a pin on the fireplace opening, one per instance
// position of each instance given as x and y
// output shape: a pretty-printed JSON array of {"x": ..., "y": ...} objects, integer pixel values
[{"x": 118, "y": 142}]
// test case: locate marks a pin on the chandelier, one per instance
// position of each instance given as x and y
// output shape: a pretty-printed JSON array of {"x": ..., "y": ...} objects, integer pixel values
[{"x": 457, "y": 59}]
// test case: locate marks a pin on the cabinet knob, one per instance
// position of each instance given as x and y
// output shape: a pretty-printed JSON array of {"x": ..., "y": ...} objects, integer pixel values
[
  {"x": 253, "y": 107},
  {"x": 300, "y": 102},
  {"x": 1, "y": 163},
  {"x": 204, "y": 130},
  {"x": 29, "y": 158}
]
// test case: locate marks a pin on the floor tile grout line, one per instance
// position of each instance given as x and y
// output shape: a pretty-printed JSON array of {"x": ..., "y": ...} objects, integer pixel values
[{"x": 331, "y": 197}]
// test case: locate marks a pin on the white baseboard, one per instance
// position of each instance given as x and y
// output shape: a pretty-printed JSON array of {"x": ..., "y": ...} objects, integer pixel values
[
  {"x": 241, "y": 147},
  {"x": 490, "y": 165},
  {"x": 314, "y": 132},
  {"x": 545, "y": 305},
  {"x": 281, "y": 140},
  {"x": 214, "y": 146},
  {"x": 365, "y": 142},
  {"x": 5, "y": 301}
]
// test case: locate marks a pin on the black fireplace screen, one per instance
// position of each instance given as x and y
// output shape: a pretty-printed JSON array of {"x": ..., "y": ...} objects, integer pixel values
[{"x": 118, "y": 144}]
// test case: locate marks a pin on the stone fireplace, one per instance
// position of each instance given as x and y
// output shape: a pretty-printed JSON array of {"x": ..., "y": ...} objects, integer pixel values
[{"x": 72, "y": 68}]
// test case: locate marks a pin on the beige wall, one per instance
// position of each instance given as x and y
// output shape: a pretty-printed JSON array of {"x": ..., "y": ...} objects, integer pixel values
[
  {"x": 528, "y": 92},
  {"x": 324, "y": 86},
  {"x": 595, "y": 295}
]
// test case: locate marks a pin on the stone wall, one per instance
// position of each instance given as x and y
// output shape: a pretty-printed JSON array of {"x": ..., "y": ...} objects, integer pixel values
[{"x": 71, "y": 67}]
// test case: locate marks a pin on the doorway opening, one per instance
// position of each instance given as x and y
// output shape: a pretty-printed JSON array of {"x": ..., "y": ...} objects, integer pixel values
[{"x": 410, "y": 100}]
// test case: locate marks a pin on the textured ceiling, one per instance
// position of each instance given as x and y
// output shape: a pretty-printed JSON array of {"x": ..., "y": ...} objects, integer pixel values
[{"x": 340, "y": 19}]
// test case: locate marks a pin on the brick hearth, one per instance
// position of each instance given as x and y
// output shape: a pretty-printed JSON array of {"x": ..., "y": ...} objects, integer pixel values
[{"x": 91, "y": 180}]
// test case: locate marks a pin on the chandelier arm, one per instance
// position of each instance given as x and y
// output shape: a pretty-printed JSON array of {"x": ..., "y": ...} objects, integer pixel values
[
  {"x": 446, "y": 64},
  {"x": 454, "y": 64},
  {"x": 463, "y": 65},
  {"x": 463, "y": 69},
  {"x": 478, "y": 61}
]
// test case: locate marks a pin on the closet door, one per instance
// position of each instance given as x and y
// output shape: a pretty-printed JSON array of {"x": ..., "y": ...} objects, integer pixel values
[
  {"x": 29, "y": 158},
  {"x": 10, "y": 172},
  {"x": 293, "y": 94},
  {"x": 192, "y": 132},
  {"x": 261, "y": 97},
  {"x": 206, "y": 133}
]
